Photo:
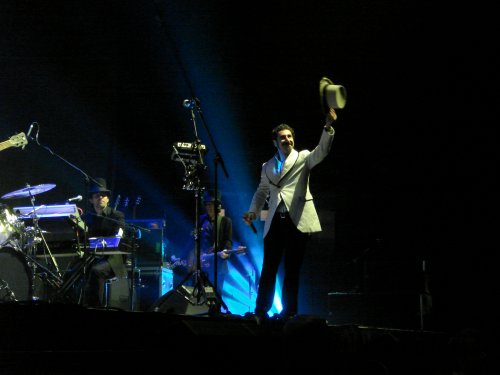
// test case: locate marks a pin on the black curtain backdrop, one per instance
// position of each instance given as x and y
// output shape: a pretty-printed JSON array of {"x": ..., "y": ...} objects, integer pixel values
[{"x": 412, "y": 167}]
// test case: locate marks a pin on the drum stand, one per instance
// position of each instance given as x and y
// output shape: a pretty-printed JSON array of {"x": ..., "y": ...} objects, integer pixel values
[
  {"x": 79, "y": 273},
  {"x": 6, "y": 294},
  {"x": 47, "y": 276}
]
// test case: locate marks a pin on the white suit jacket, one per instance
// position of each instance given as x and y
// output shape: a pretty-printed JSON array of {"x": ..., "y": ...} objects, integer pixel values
[{"x": 292, "y": 186}]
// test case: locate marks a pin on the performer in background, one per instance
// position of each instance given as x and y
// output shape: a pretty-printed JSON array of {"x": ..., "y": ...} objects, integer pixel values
[
  {"x": 291, "y": 217},
  {"x": 207, "y": 240},
  {"x": 102, "y": 221}
]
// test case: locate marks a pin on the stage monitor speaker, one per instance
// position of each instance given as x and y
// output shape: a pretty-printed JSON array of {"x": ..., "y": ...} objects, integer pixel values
[{"x": 180, "y": 301}]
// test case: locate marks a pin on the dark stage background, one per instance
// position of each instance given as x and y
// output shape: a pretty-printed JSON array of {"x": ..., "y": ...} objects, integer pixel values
[{"x": 410, "y": 176}]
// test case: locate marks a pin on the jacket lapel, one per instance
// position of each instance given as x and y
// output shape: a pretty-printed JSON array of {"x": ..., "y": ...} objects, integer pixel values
[{"x": 289, "y": 163}]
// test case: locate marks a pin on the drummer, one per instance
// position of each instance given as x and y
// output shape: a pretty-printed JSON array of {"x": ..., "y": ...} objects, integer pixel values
[{"x": 102, "y": 221}]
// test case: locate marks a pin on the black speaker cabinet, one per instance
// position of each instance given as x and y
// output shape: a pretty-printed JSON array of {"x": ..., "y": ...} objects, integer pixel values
[
  {"x": 180, "y": 301},
  {"x": 153, "y": 283},
  {"x": 150, "y": 244},
  {"x": 117, "y": 293}
]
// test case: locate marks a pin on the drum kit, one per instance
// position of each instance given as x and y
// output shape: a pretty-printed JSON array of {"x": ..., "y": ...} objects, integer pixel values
[{"x": 22, "y": 277}]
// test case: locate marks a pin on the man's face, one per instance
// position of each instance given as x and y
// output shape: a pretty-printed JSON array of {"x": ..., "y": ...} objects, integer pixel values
[
  {"x": 284, "y": 141},
  {"x": 99, "y": 200}
]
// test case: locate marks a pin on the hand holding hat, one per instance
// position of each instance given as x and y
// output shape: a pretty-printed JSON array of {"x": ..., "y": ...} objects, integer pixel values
[{"x": 331, "y": 95}]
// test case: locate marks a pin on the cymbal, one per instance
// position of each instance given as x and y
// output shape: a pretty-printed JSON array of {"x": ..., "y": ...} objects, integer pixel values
[{"x": 29, "y": 191}]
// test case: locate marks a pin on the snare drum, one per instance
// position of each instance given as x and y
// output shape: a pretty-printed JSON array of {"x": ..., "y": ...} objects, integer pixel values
[{"x": 15, "y": 276}]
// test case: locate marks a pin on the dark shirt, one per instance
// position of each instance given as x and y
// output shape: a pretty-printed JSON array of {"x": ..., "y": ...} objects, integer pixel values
[
  {"x": 104, "y": 225},
  {"x": 225, "y": 229},
  {"x": 207, "y": 241},
  {"x": 108, "y": 225}
]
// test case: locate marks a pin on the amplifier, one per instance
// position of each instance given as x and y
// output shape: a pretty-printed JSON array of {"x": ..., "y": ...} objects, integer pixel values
[
  {"x": 151, "y": 246},
  {"x": 151, "y": 284}
]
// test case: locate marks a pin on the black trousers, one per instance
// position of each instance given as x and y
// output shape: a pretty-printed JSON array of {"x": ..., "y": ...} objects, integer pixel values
[
  {"x": 283, "y": 241},
  {"x": 99, "y": 272}
]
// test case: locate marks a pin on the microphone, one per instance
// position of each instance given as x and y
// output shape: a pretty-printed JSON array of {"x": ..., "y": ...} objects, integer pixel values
[
  {"x": 253, "y": 227},
  {"x": 30, "y": 129},
  {"x": 78, "y": 198},
  {"x": 250, "y": 224},
  {"x": 188, "y": 103},
  {"x": 191, "y": 103}
]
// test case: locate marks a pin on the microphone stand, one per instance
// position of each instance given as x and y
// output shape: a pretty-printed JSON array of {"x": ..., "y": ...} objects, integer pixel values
[
  {"x": 217, "y": 160},
  {"x": 192, "y": 181}
]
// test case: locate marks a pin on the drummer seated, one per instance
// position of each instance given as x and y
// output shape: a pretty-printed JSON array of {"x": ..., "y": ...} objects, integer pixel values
[{"x": 102, "y": 221}]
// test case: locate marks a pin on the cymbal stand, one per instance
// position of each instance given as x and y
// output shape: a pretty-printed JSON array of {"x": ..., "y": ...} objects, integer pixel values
[{"x": 52, "y": 278}]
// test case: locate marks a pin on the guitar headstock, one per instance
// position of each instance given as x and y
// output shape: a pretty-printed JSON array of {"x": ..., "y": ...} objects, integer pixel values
[
  {"x": 240, "y": 250},
  {"x": 138, "y": 201},
  {"x": 18, "y": 140}
]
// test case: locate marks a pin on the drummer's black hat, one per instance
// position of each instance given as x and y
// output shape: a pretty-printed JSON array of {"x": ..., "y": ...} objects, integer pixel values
[{"x": 98, "y": 185}]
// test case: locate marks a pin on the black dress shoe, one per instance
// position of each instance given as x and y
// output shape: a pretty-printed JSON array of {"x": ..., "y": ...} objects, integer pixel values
[
  {"x": 261, "y": 319},
  {"x": 283, "y": 318}
]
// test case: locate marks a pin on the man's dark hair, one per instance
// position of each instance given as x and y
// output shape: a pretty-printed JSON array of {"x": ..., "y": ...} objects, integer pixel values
[{"x": 280, "y": 127}]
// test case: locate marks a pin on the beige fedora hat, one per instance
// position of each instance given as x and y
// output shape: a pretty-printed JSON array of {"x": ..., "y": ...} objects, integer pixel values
[{"x": 331, "y": 95}]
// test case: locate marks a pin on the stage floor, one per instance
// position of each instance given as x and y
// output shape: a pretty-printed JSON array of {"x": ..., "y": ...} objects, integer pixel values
[{"x": 50, "y": 338}]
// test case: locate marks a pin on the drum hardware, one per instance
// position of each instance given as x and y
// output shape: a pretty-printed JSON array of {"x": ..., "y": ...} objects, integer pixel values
[
  {"x": 34, "y": 236},
  {"x": 76, "y": 279},
  {"x": 6, "y": 294},
  {"x": 29, "y": 191},
  {"x": 15, "y": 275},
  {"x": 44, "y": 273},
  {"x": 18, "y": 279},
  {"x": 38, "y": 236},
  {"x": 30, "y": 238}
]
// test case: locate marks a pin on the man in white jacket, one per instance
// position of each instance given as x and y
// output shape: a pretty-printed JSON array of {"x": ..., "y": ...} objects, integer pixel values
[{"x": 291, "y": 217}]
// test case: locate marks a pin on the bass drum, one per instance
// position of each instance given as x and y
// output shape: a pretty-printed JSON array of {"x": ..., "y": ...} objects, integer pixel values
[{"x": 15, "y": 276}]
